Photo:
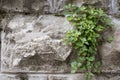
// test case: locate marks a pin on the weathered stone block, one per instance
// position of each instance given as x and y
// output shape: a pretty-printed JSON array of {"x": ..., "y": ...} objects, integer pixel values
[
  {"x": 8, "y": 77},
  {"x": 108, "y": 77},
  {"x": 33, "y": 44},
  {"x": 110, "y": 52},
  {"x": 79, "y": 76},
  {"x": 23, "y": 77},
  {"x": 33, "y": 6},
  {"x": 16, "y": 5},
  {"x": 66, "y": 77},
  {"x": 38, "y": 77}
]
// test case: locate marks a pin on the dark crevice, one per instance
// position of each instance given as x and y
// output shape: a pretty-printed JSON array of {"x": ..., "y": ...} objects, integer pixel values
[{"x": 22, "y": 76}]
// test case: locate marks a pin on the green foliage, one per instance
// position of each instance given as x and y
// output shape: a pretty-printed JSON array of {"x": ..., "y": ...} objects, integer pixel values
[
  {"x": 110, "y": 39},
  {"x": 88, "y": 23}
]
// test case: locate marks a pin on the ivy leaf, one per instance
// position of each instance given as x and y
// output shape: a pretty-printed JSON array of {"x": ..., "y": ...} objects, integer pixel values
[
  {"x": 110, "y": 39},
  {"x": 91, "y": 58},
  {"x": 82, "y": 8},
  {"x": 74, "y": 67},
  {"x": 89, "y": 75}
]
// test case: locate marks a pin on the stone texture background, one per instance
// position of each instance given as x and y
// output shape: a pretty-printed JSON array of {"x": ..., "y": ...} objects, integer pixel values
[{"x": 32, "y": 41}]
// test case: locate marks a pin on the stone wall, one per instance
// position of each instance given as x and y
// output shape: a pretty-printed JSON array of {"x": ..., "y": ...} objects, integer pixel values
[{"x": 32, "y": 45}]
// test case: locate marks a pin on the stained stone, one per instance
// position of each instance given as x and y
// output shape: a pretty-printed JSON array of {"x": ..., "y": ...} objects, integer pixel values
[
  {"x": 8, "y": 77},
  {"x": 35, "y": 44}
]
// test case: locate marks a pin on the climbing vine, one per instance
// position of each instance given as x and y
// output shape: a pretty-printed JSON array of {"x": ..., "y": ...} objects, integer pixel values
[{"x": 88, "y": 23}]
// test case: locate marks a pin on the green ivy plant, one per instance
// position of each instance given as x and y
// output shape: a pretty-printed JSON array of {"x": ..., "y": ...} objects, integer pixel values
[{"x": 88, "y": 23}]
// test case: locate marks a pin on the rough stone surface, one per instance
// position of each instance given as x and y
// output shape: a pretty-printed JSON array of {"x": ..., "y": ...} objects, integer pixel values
[
  {"x": 8, "y": 77},
  {"x": 79, "y": 76},
  {"x": 110, "y": 52},
  {"x": 67, "y": 77},
  {"x": 54, "y": 6},
  {"x": 39, "y": 6},
  {"x": 108, "y": 77},
  {"x": 23, "y": 77},
  {"x": 35, "y": 44}
]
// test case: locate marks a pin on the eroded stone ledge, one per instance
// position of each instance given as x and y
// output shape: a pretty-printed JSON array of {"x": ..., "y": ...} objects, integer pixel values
[{"x": 78, "y": 76}]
